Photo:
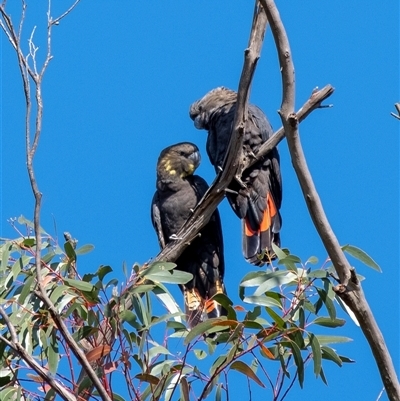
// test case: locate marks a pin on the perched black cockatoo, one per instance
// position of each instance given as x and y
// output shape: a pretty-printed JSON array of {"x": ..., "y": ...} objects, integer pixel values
[
  {"x": 257, "y": 199},
  {"x": 178, "y": 192}
]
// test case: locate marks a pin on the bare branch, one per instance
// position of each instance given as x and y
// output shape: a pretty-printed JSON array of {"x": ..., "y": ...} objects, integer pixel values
[
  {"x": 349, "y": 289},
  {"x": 26, "y": 71},
  {"x": 58, "y": 19},
  {"x": 290, "y": 124}
]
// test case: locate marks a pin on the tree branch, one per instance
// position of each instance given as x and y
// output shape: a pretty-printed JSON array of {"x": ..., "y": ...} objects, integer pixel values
[
  {"x": 349, "y": 290},
  {"x": 27, "y": 71},
  {"x": 215, "y": 194},
  {"x": 63, "y": 392},
  {"x": 397, "y": 106},
  {"x": 290, "y": 124}
]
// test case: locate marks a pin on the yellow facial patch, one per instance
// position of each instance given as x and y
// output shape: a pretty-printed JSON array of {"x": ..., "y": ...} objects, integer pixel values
[
  {"x": 189, "y": 171},
  {"x": 167, "y": 165}
]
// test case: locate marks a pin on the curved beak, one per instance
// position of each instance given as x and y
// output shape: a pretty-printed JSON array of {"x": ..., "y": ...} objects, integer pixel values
[{"x": 195, "y": 158}]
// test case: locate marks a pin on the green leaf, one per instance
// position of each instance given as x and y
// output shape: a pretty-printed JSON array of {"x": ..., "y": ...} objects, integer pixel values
[
  {"x": 317, "y": 354},
  {"x": 323, "y": 377},
  {"x": 298, "y": 360},
  {"x": 218, "y": 396},
  {"x": 251, "y": 325},
  {"x": 157, "y": 350},
  {"x": 202, "y": 328},
  {"x": 278, "y": 252},
  {"x": 345, "y": 359},
  {"x": 26, "y": 290},
  {"x": 103, "y": 271},
  {"x": 124, "y": 269},
  {"x": 329, "y": 354},
  {"x": 333, "y": 339},
  {"x": 140, "y": 309},
  {"x": 318, "y": 274},
  {"x": 176, "y": 326},
  {"x": 313, "y": 260},
  {"x": 262, "y": 301},
  {"x": 243, "y": 368},
  {"x": 253, "y": 279},
  {"x": 254, "y": 314},
  {"x": 70, "y": 251},
  {"x": 145, "y": 377},
  {"x": 113, "y": 282},
  {"x": 290, "y": 260},
  {"x": 361, "y": 256},
  {"x": 328, "y": 322},
  {"x": 217, "y": 363},
  {"x": 79, "y": 285},
  {"x": 8, "y": 394},
  {"x": 157, "y": 267},
  {"x": 175, "y": 277},
  {"x": 275, "y": 279},
  {"x": 53, "y": 354},
  {"x": 84, "y": 249},
  {"x": 129, "y": 317},
  {"x": 328, "y": 302},
  {"x": 28, "y": 242},
  {"x": 277, "y": 319}
]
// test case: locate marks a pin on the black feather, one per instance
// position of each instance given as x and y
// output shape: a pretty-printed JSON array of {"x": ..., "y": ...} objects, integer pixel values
[
  {"x": 178, "y": 192},
  {"x": 215, "y": 112}
]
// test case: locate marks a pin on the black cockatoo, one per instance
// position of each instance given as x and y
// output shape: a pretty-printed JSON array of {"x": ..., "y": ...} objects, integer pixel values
[
  {"x": 178, "y": 192},
  {"x": 257, "y": 199}
]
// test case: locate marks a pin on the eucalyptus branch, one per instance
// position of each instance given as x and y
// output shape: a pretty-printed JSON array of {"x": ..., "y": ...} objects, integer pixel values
[
  {"x": 349, "y": 289},
  {"x": 14, "y": 344},
  {"x": 290, "y": 124}
]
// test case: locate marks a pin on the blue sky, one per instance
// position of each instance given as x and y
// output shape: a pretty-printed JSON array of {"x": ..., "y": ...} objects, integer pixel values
[{"x": 118, "y": 91}]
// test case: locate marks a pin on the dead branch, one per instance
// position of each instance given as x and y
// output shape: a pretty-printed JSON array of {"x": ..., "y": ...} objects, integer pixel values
[
  {"x": 350, "y": 289},
  {"x": 28, "y": 72}
]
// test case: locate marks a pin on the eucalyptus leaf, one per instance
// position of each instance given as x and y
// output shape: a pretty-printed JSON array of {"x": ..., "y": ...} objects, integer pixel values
[
  {"x": 176, "y": 277},
  {"x": 328, "y": 322},
  {"x": 84, "y": 249},
  {"x": 316, "y": 353},
  {"x": 246, "y": 370},
  {"x": 361, "y": 256},
  {"x": 323, "y": 339},
  {"x": 79, "y": 285}
]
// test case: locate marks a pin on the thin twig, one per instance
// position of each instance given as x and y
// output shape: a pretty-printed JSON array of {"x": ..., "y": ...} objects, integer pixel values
[
  {"x": 397, "y": 106},
  {"x": 58, "y": 19}
]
